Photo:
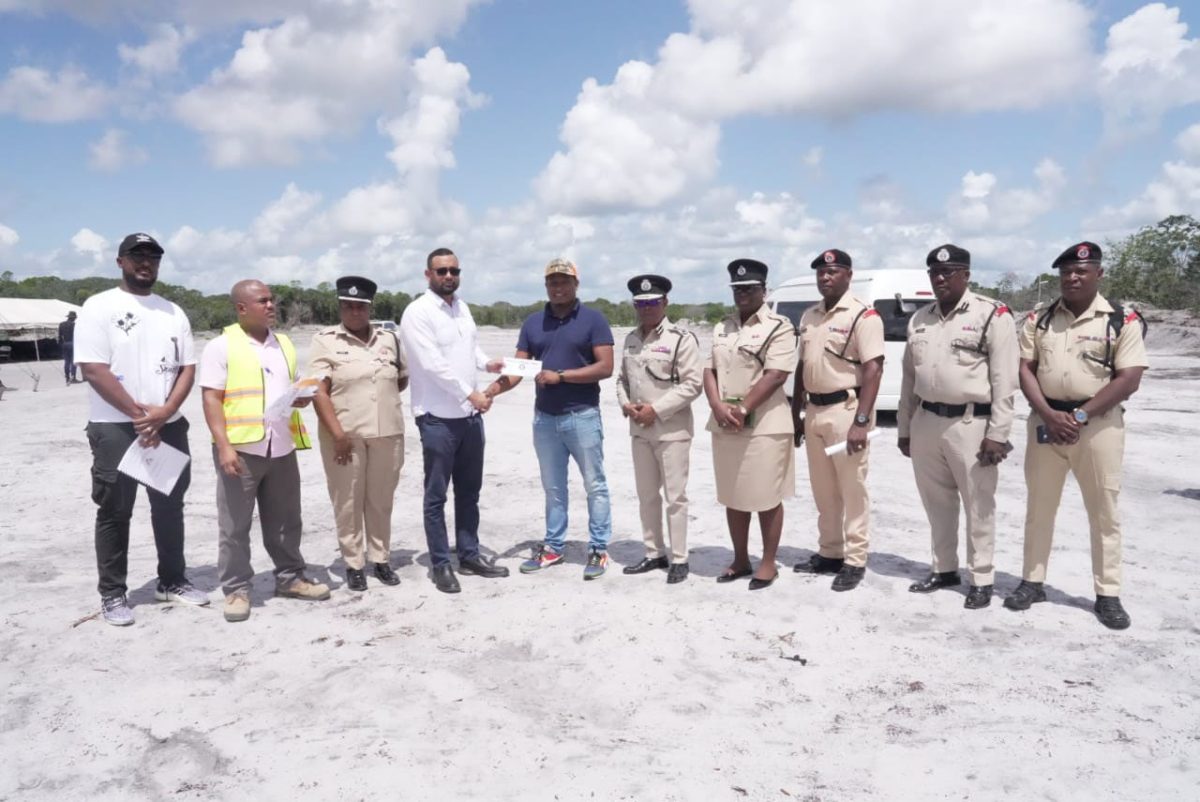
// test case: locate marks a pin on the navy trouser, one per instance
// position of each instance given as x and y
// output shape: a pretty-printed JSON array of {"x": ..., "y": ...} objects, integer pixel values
[
  {"x": 114, "y": 494},
  {"x": 453, "y": 451}
]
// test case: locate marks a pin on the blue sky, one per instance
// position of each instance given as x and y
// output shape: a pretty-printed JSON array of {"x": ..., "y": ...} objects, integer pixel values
[{"x": 307, "y": 139}]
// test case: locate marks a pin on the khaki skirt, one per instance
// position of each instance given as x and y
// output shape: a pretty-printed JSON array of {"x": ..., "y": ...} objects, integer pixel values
[{"x": 753, "y": 473}]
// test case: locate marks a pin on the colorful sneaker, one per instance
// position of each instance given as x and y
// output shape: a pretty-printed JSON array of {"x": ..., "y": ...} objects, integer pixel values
[
  {"x": 543, "y": 557},
  {"x": 116, "y": 610},
  {"x": 183, "y": 592},
  {"x": 597, "y": 564}
]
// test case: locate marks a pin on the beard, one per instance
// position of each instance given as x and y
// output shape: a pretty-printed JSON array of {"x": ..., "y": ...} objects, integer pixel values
[
  {"x": 445, "y": 290},
  {"x": 137, "y": 282}
]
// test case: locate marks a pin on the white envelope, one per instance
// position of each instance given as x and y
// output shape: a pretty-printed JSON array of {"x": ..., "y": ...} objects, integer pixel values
[{"x": 526, "y": 368}]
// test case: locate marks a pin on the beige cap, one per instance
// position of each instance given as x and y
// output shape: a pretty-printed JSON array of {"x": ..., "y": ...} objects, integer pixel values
[{"x": 564, "y": 266}]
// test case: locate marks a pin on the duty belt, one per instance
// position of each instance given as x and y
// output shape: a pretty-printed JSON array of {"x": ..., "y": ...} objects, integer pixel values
[
  {"x": 956, "y": 410},
  {"x": 1065, "y": 406},
  {"x": 825, "y": 399}
]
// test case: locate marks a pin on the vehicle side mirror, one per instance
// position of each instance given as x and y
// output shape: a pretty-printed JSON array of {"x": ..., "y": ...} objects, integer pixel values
[{"x": 904, "y": 307}]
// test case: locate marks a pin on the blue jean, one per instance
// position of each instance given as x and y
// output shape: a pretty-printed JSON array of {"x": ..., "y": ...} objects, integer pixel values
[
  {"x": 578, "y": 435},
  {"x": 453, "y": 451}
]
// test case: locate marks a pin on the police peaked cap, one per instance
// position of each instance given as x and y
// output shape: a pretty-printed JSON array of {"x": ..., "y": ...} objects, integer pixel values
[
  {"x": 648, "y": 287},
  {"x": 356, "y": 288},
  {"x": 948, "y": 256},
  {"x": 834, "y": 258},
  {"x": 746, "y": 271},
  {"x": 1081, "y": 253}
]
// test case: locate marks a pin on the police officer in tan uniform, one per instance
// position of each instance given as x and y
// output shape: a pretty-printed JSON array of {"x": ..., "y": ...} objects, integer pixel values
[
  {"x": 837, "y": 380},
  {"x": 956, "y": 410},
  {"x": 660, "y": 377},
  {"x": 754, "y": 464},
  {"x": 1081, "y": 357},
  {"x": 361, "y": 429}
]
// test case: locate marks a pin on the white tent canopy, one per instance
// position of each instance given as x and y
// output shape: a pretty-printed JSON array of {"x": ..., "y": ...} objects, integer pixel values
[{"x": 33, "y": 314}]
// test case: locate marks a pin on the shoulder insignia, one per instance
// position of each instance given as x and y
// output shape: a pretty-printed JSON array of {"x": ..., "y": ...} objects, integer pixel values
[
  {"x": 1032, "y": 315},
  {"x": 1003, "y": 309},
  {"x": 871, "y": 313},
  {"x": 1132, "y": 316}
]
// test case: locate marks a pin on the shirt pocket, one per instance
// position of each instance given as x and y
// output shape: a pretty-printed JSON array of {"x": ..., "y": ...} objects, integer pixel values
[
  {"x": 965, "y": 354},
  {"x": 918, "y": 346},
  {"x": 1092, "y": 357},
  {"x": 656, "y": 367}
]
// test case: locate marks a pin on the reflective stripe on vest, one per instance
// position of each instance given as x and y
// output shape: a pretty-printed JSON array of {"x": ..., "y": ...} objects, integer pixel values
[{"x": 245, "y": 396}]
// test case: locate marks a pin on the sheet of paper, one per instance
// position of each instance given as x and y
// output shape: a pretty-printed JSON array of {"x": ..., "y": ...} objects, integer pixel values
[
  {"x": 282, "y": 407},
  {"x": 526, "y": 368},
  {"x": 838, "y": 448},
  {"x": 159, "y": 467}
]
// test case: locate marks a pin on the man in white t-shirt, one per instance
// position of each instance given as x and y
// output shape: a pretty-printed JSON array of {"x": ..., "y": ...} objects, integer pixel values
[{"x": 135, "y": 351}]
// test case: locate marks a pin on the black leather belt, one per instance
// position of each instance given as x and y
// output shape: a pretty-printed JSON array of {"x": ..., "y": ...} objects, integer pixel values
[
  {"x": 956, "y": 410},
  {"x": 825, "y": 399},
  {"x": 1065, "y": 406}
]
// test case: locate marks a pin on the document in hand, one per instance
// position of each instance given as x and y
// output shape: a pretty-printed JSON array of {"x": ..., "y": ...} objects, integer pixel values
[
  {"x": 158, "y": 468},
  {"x": 838, "y": 448},
  {"x": 525, "y": 368},
  {"x": 281, "y": 407}
]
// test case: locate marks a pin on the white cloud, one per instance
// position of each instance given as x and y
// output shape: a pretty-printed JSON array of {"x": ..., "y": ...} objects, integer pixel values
[
  {"x": 8, "y": 237},
  {"x": 1176, "y": 190},
  {"x": 1149, "y": 67},
  {"x": 651, "y": 135},
  {"x": 813, "y": 156},
  {"x": 37, "y": 95},
  {"x": 317, "y": 73},
  {"x": 88, "y": 243},
  {"x": 284, "y": 217},
  {"x": 112, "y": 152},
  {"x": 160, "y": 54},
  {"x": 979, "y": 208}
]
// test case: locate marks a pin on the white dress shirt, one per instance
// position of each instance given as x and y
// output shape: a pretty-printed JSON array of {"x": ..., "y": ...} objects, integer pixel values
[
  {"x": 214, "y": 372},
  {"x": 444, "y": 359}
]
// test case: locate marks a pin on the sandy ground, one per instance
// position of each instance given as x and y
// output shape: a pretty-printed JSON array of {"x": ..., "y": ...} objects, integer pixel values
[{"x": 546, "y": 687}]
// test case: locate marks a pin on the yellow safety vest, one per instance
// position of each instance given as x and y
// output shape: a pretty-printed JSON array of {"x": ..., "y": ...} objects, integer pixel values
[{"x": 245, "y": 397}]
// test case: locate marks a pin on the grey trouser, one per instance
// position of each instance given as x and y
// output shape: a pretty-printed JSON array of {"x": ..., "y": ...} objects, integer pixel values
[{"x": 274, "y": 483}]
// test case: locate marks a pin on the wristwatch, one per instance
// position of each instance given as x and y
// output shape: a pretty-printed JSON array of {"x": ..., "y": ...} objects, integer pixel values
[
  {"x": 862, "y": 420},
  {"x": 561, "y": 378},
  {"x": 741, "y": 408},
  {"x": 1081, "y": 416}
]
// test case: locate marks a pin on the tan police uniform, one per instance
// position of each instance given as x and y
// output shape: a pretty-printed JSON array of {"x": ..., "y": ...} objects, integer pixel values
[
  {"x": 755, "y": 468},
  {"x": 663, "y": 370},
  {"x": 960, "y": 379},
  {"x": 1068, "y": 355},
  {"x": 365, "y": 391},
  {"x": 831, "y": 358}
]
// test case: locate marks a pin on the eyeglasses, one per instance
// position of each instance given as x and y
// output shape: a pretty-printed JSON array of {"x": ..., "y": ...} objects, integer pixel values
[
  {"x": 647, "y": 304},
  {"x": 745, "y": 288},
  {"x": 442, "y": 271},
  {"x": 943, "y": 272},
  {"x": 153, "y": 258}
]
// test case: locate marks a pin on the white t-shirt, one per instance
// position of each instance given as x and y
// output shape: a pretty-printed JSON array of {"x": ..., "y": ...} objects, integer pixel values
[{"x": 144, "y": 340}]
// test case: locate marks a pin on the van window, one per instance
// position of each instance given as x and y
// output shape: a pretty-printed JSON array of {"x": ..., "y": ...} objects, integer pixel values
[
  {"x": 792, "y": 310},
  {"x": 896, "y": 315}
]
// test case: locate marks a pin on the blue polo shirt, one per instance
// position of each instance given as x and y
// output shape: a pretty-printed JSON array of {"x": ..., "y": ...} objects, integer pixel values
[{"x": 563, "y": 344}]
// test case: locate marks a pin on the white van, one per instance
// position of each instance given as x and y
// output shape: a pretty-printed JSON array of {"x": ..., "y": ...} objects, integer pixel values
[{"x": 895, "y": 294}]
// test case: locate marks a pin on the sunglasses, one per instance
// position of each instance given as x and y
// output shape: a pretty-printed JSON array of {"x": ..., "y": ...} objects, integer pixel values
[
  {"x": 746, "y": 288},
  {"x": 442, "y": 271},
  {"x": 647, "y": 304},
  {"x": 153, "y": 258}
]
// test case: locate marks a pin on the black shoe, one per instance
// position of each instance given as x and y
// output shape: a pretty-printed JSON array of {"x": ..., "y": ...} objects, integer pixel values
[
  {"x": 978, "y": 597},
  {"x": 820, "y": 565},
  {"x": 1025, "y": 596},
  {"x": 946, "y": 579},
  {"x": 444, "y": 578},
  {"x": 356, "y": 579},
  {"x": 676, "y": 573},
  {"x": 1111, "y": 613},
  {"x": 849, "y": 577},
  {"x": 733, "y": 574},
  {"x": 759, "y": 584},
  {"x": 477, "y": 566},
  {"x": 647, "y": 565},
  {"x": 385, "y": 574}
]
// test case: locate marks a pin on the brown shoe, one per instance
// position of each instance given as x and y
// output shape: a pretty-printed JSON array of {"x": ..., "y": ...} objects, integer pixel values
[
  {"x": 304, "y": 589},
  {"x": 237, "y": 606}
]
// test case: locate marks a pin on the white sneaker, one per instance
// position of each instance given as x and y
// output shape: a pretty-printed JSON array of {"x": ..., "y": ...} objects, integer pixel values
[
  {"x": 116, "y": 610},
  {"x": 182, "y": 592}
]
